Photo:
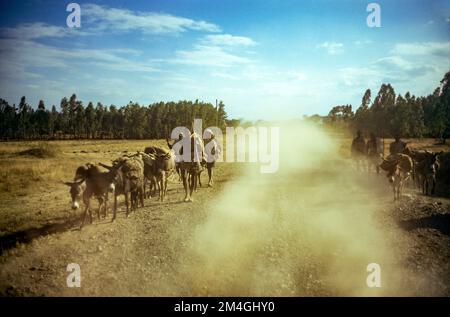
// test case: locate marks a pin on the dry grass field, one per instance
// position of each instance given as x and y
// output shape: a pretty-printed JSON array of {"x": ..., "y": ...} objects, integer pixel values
[
  {"x": 305, "y": 231},
  {"x": 31, "y": 175}
]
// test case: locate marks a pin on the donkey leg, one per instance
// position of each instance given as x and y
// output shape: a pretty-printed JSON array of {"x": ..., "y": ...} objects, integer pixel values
[
  {"x": 106, "y": 206},
  {"x": 83, "y": 220},
  {"x": 127, "y": 204},
  {"x": 100, "y": 205},
  {"x": 115, "y": 208},
  {"x": 142, "y": 196},
  {"x": 165, "y": 188}
]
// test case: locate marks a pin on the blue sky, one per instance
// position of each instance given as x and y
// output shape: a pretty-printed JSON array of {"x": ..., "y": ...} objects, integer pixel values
[{"x": 264, "y": 58}]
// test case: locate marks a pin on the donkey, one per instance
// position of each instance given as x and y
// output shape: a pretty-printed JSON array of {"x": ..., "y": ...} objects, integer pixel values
[
  {"x": 78, "y": 186},
  {"x": 128, "y": 181},
  {"x": 162, "y": 167},
  {"x": 91, "y": 181},
  {"x": 399, "y": 168},
  {"x": 191, "y": 166},
  {"x": 149, "y": 169},
  {"x": 426, "y": 171}
]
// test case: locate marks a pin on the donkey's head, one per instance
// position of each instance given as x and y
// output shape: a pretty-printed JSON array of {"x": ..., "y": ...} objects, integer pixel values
[{"x": 76, "y": 190}]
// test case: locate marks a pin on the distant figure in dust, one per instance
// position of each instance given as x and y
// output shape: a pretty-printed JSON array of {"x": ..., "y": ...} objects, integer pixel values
[
  {"x": 359, "y": 149},
  {"x": 398, "y": 146},
  {"x": 213, "y": 151},
  {"x": 374, "y": 153}
]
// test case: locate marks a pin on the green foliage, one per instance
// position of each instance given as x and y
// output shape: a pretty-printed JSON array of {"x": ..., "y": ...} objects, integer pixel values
[
  {"x": 340, "y": 116},
  {"x": 390, "y": 115},
  {"x": 132, "y": 121}
]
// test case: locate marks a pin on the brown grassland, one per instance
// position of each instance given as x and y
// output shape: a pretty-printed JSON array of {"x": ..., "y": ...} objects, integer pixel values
[{"x": 31, "y": 175}]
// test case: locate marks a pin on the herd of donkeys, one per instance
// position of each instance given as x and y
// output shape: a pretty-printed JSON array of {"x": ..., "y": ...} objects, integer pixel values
[{"x": 136, "y": 176}]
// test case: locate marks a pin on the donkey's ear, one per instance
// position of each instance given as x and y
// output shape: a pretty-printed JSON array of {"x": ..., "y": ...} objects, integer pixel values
[{"x": 67, "y": 183}]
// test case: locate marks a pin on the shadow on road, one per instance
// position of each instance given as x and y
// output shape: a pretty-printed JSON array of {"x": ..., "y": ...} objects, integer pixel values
[
  {"x": 440, "y": 222},
  {"x": 11, "y": 240}
]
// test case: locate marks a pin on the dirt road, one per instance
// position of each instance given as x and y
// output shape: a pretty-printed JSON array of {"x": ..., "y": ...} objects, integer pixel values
[
  {"x": 134, "y": 256},
  {"x": 152, "y": 252}
]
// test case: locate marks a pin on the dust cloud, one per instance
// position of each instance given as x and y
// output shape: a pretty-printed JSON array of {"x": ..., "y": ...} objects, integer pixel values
[{"x": 310, "y": 229}]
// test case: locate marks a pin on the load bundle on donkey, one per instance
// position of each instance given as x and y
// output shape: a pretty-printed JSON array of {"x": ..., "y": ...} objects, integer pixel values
[
  {"x": 133, "y": 169},
  {"x": 404, "y": 161},
  {"x": 159, "y": 166},
  {"x": 129, "y": 181},
  {"x": 398, "y": 167}
]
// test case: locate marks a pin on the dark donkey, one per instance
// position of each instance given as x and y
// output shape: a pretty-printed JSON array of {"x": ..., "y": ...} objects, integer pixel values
[
  {"x": 399, "y": 167},
  {"x": 162, "y": 166},
  {"x": 149, "y": 169},
  {"x": 78, "y": 186},
  {"x": 129, "y": 181},
  {"x": 92, "y": 181},
  {"x": 426, "y": 171}
]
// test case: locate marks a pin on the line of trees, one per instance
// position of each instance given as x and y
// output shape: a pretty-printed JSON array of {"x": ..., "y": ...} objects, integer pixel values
[
  {"x": 74, "y": 121},
  {"x": 388, "y": 115},
  {"x": 391, "y": 115}
]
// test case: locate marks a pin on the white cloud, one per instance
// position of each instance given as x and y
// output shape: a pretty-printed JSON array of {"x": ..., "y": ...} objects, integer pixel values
[
  {"x": 425, "y": 48},
  {"x": 332, "y": 48},
  {"x": 219, "y": 50},
  {"x": 359, "y": 76},
  {"x": 224, "y": 75},
  {"x": 270, "y": 81},
  {"x": 203, "y": 55},
  {"x": 30, "y": 31},
  {"x": 392, "y": 69},
  {"x": 295, "y": 75},
  {"x": 419, "y": 62},
  {"x": 104, "y": 18},
  {"x": 228, "y": 40},
  {"x": 363, "y": 42},
  {"x": 18, "y": 57},
  {"x": 391, "y": 62},
  {"x": 98, "y": 18}
]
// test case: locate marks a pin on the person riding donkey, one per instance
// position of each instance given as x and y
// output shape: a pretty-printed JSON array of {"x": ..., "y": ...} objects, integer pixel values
[{"x": 398, "y": 146}]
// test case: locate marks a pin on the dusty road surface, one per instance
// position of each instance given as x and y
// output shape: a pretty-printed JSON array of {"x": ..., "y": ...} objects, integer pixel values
[{"x": 309, "y": 230}]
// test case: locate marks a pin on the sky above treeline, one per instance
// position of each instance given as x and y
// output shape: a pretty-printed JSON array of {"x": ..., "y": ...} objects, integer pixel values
[{"x": 266, "y": 59}]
